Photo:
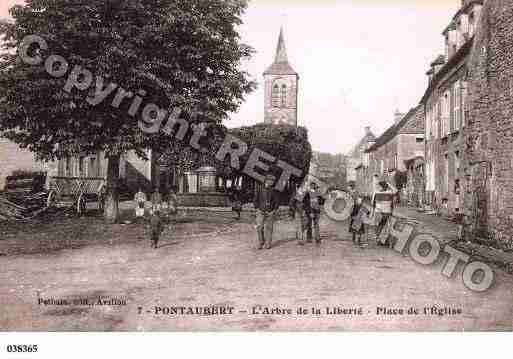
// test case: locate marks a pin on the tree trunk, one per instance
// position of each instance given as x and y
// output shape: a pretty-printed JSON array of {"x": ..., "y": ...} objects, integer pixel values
[{"x": 111, "y": 211}]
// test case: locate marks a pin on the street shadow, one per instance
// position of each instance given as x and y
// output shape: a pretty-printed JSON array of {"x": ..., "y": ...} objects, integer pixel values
[
  {"x": 169, "y": 244},
  {"x": 282, "y": 242}
]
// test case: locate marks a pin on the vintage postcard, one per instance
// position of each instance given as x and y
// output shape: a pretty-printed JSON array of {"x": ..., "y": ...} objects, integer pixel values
[{"x": 263, "y": 165}]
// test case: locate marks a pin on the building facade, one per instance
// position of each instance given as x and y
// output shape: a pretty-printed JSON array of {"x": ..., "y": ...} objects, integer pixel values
[
  {"x": 488, "y": 159},
  {"x": 389, "y": 155},
  {"x": 281, "y": 88},
  {"x": 357, "y": 160},
  {"x": 444, "y": 103}
]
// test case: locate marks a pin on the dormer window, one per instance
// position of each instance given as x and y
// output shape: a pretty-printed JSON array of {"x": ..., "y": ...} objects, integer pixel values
[{"x": 471, "y": 22}]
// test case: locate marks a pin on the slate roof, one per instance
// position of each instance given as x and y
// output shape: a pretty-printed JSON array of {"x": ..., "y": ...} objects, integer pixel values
[{"x": 281, "y": 65}]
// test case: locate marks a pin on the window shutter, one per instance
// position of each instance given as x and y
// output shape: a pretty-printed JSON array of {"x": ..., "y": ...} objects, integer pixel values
[
  {"x": 457, "y": 106},
  {"x": 463, "y": 103}
]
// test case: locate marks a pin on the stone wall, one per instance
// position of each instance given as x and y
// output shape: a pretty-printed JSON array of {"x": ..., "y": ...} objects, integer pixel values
[
  {"x": 488, "y": 160},
  {"x": 288, "y": 113}
]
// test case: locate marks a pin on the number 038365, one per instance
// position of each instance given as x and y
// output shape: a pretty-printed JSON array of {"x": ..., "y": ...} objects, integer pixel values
[{"x": 21, "y": 348}]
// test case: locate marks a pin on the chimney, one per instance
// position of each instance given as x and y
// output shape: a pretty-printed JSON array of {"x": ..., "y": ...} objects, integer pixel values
[
  {"x": 398, "y": 116},
  {"x": 367, "y": 130}
]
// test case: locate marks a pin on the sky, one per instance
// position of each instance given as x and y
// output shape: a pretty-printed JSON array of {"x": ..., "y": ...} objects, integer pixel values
[{"x": 358, "y": 60}]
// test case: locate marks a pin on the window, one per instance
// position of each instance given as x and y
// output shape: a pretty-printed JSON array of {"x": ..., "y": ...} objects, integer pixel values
[
  {"x": 463, "y": 91},
  {"x": 457, "y": 106},
  {"x": 283, "y": 96},
  {"x": 446, "y": 114},
  {"x": 276, "y": 96},
  {"x": 446, "y": 173},
  {"x": 419, "y": 140},
  {"x": 427, "y": 126},
  {"x": 471, "y": 22},
  {"x": 457, "y": 162}
]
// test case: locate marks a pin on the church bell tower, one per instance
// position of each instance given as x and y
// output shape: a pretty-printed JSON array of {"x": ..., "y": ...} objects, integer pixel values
[{"x": 281, "y": 88}]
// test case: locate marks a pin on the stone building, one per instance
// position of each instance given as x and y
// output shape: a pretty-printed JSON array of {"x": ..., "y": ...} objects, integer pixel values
[
  {"x": 444, "y": 102},
  {"x": 357, "y": 159},
  {"x": 281, "y": 88},
  {"x": 401, "y": 142},
  {"x": 488, "y": 161}
]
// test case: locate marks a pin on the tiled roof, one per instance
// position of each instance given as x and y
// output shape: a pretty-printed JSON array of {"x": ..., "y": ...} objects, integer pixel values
[
  {"x": 462, "y": 52},
  {"x": 411, "y": 123},
  {"x": 369, "y": 137}
]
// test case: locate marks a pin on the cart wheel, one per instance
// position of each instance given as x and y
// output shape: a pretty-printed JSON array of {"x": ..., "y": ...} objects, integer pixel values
[
  {"x": 81, "y": 205},
  {"x": 52, "y": 197}
]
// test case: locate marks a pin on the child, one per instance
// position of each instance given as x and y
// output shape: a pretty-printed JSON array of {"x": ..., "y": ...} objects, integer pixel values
[
  {"x": 459, "y": 218},
  {"x": 360, "y": 211},
  {"x": 298, "y": 213},
  {"x": 156, "y": 227},
  {"x": 139, "y": 199},
  {"x": 236, "y": 199}
]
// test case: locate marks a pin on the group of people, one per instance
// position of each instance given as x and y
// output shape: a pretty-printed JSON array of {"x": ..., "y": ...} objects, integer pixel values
[
  {"x": 167, "y": 204},
  {"x": 305, "y": 208},
  {"x": 379, "y": 210}
]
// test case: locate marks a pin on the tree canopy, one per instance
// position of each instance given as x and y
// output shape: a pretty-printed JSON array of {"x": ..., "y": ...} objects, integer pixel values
[
  {"x": 284, "y": 142},
  {"x": 173, "y": 53},
  {"x": 287, "y": 143}
]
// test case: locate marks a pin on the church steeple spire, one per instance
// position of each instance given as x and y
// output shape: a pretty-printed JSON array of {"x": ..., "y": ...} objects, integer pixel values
[
  {"x": 281, "y": 88},
  {"x": 281, "y": 50},
  {"x": 281, "y": 64}
]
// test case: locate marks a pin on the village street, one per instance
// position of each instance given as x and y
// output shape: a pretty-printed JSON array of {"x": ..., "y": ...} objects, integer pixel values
[{"x": 210, "y": 259}]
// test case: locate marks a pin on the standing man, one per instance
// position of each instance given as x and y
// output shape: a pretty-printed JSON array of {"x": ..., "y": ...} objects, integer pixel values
[
  {"x": 236, "y": 199},
  {"x": 266, "y": 204},
  {"x": 383, "y": 203},
  {"x": 316, "y": 202},
  {"x": 173, "y": 202},
  {"x": 298, "y": 212},
  {"x": 354, "y": 195},
  {"x": 156, "y": 200},
  {"x": 140, "y": 200}
]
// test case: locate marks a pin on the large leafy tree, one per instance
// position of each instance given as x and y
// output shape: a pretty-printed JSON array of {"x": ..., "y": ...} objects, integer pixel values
[
  {"x": 287, "y": 143},
  {"x": 284, "y": 142},
  {"x": 181, "y": 54}
]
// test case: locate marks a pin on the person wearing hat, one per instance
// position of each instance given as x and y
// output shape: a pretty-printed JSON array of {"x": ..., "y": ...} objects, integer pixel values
[
  {"x": 266, "y": 202},
  {"x": 140, "y": 199},
  {"x": 314, "y": 212},
  {"x": 156, "y": 200},
  {"x": 383, "y": 203},
  {"x": 298, "y": 211}
]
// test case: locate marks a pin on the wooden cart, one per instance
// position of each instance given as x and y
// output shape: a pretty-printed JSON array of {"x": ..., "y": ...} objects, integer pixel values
[{"x": 76, "y": 192}]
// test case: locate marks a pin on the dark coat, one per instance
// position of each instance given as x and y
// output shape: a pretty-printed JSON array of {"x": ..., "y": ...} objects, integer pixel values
[
  {"x": 156, "y": 224},
  {"x": 266, "y": 199}
]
